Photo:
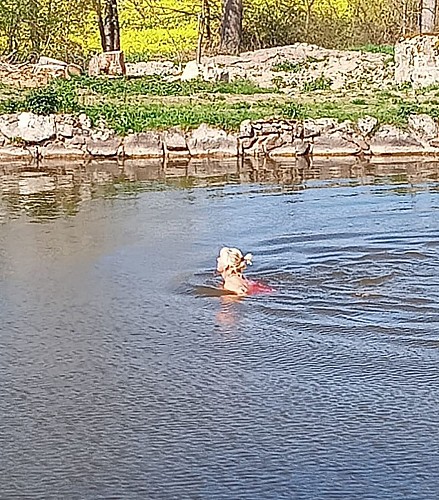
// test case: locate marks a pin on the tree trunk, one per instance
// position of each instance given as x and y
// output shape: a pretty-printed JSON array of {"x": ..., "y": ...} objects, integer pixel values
[
  {"x": 111, "y": 62},
  {"x": 111, "y": 41},
  {"x": 231, "y": 27},
  {"x": 428, "y": 16}
]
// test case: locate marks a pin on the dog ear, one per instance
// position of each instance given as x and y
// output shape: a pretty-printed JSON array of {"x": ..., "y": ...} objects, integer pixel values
[{"x": 248, "y": 257}]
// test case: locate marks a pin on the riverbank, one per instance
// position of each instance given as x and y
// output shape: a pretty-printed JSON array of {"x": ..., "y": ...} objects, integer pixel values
[
  {"x": 32, "y": 136},
  {"x": 236, "y": 106}
]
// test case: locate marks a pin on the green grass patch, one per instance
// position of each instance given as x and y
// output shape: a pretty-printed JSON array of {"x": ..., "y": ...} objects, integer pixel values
[
  {"x": 288, "y": 66},
  {"x": 137, "y": 118},
  {"x": 375, "y": 49},
  {"x": 159, "y": 86},
  {"x": 131, "y": 105}
]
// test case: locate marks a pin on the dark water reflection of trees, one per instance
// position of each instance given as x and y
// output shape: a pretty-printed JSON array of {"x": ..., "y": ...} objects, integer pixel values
[{"x": 59, "y": 188}]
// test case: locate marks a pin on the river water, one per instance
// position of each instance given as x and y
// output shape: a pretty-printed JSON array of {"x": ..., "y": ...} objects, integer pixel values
[{"x": 124, "y": 375}]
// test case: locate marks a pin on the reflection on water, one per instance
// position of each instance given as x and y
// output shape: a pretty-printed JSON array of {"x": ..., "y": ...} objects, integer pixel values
[
  {"x": 126, "y": 374},
  {"x": 58, "y": 188}
]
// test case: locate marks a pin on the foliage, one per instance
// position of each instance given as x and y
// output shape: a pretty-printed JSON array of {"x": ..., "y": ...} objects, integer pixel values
[
  {"x": 33, "y": 27},
  {"x": 67, "y": 29},
  {"x": 55, "y": 98},
  {"x": 293, "y": 111},
  {"x": 159, "y": 86}
]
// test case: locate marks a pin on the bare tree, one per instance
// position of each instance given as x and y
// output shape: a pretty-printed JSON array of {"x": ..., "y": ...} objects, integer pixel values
[
  {"x": 428, "y": 16},
  {"x": 231, "y": 27}
]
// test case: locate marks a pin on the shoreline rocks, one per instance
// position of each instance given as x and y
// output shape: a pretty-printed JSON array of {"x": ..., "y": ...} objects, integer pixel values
[{"x": 24, "y": 135}]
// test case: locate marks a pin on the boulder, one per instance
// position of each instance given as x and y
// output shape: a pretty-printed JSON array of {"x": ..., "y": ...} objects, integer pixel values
[
  {"x": 29, "y": 127},
  {"x": 143, "y": 145},
  {"x": 59, "y": 149},
  {"x": 334, "y": 144},
  {"x": 207, "y": 140},
  {"x": 423, "y": 127},
  {"x": 392, "y": 140},
  {"x": 11, "y": 151},
  {"x": 73, "y": 70},
  {"x": 175, "y": 142},
  {"x": 191, "y": 71},
  {"x": 367, "y": 125},
  {"x": 417, "y": 61},
  {"x": 150, "y": 68},
  {"x": 314, "y": 128},
  {"x": 103, "y": 143}
]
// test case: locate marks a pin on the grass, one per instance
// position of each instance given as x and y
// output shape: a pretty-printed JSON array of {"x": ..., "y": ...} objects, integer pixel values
[
  {"x": 153, "y": 103},
  {"x": 320, "y": 83},
  {"x": 134, "y": 118},
  {"x": 375, "y": 49},
  {"x": 157, "y": 86},
  {"x": 288, "y": 66}
]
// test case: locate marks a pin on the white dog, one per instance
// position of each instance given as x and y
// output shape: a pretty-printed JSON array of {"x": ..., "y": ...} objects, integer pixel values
[{"x": 231, "y": 264}]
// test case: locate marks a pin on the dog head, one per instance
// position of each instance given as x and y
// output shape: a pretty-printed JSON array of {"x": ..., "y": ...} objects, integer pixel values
[{"x": 231, "y": 261}]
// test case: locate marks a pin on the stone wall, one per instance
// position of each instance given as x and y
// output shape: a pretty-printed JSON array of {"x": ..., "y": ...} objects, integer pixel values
[
  {"x": 417, "y": 61},
  {"x": 25, "y": 135}
]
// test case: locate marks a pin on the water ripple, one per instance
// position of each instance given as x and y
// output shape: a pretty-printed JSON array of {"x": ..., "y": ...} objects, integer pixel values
[{"x": 125, "y": 374}]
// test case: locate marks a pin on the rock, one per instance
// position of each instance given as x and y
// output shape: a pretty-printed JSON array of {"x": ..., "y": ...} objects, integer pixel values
[
  {"x": 246, "y": 129},
  {"x": 73, "y": 70},
  {"x": 103, "y": 144},
  {"x": 208, "y": 72},
  {"x": 107, "y": 63},
  {"x": 28, "y": 127},
  {"x": 417, "y": 61},
  {"x": 392, "y": 140},
  {"x": 207, "y": 140},
  {"x": 347, "y": 127},
  {"x": 213, "y": 73},
  {"x": 191, "y": 71},
  {"x": 11, "y": 151},
  {"x": 312, "y": 64},
  {"x": 367, "y": 125},
  {"x": 65, "y": 126},
  {"x": 50, "y": 61},
  {"x": 175, "y": 142},
  {"x": 334, "y": 144},
  {"x": 143, "y": 145},
  {"x": 423, "y": 127},
  {"x": 149, "y": 68},
  {"x": 59, "y": 149},
  {"x": 53, "y": 66},
  {"x": 84, "y": 121},
  {"x": 313, "y": 128}
]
